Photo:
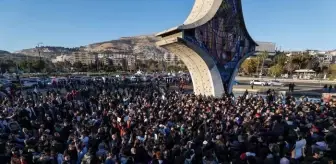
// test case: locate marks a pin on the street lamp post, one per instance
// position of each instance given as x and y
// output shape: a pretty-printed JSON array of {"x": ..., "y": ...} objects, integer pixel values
[
  {"x": 262, "y": 66},
  {"x": 38, "y": 49}
]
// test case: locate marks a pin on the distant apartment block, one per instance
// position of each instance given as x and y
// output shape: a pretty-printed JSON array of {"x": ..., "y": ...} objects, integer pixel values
[
  {"x": 85, "y": 57},
  {"x": 105, "y": 60},
  {"x": 118, "y": 62},
  {"x": 170, "y": 58},
  {"x": 312, "y": 52},
  {"x": 325, "y": 59},
  {"x": 333, "y": 52},
  {"x": 318, "y": 52}
]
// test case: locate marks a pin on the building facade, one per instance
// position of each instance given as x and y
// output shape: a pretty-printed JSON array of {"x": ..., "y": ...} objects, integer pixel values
[
  {"x": 325, "y": 59},
  {"x": 333, "y": 52},
  {"x": 85, "y": 57},
  {"x": 170, "y": 58}
]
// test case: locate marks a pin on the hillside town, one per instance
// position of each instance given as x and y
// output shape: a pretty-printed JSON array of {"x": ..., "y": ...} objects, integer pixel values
[{"x": 134, "y": 53}]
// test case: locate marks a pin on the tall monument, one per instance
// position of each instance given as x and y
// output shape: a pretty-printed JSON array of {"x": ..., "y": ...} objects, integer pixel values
[{"x": 212, "y": 42}]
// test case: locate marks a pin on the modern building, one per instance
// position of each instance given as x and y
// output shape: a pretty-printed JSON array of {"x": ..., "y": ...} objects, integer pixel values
[
  {"x": 105, "y": 60},
  {"x": 118, "y": 62},
  {"x": 313, "y": 52},
  {"x": 333, "y": 52},
  {"x": 170, "y": 58},
  {"x": 325, "y": 59},
  {"x": 293, "y": 53},
  {"x": 85, "y": 57}
]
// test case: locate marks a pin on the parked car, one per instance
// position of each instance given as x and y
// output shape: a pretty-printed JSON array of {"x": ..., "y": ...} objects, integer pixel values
[
  {"x": 56, "y": 80},
  {"x": 76, "y": 78},
  {"x": 5, "y": 83},
  {"x": 145, "y": 78},
  {"x": 16, "y": 83},
  {"x": 43, "y": 82},
  {"x": 275, "y": 83},
  {"x": 98, "y": 78},
  {"x": 47, "y": 81},
  {"x": 85, "y": 79},
  {"x": 258, "y": 82},
  {"x": 132, "y": 78},
  {"x": 30, "y": 83}
]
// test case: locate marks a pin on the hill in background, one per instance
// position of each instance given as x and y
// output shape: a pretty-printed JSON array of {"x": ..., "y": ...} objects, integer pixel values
[
  {"x": 138, "y": 45},
  {"x": 3, "y": 53}
]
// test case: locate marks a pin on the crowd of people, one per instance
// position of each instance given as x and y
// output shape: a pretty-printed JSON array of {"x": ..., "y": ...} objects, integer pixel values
[{"x": 114, "y": 123}]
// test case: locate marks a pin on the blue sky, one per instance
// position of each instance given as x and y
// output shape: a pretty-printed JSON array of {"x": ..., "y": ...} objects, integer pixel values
[{"x": 291, "y": 24}]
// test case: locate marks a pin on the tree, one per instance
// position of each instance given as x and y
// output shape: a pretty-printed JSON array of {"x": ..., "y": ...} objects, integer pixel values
[
  {"x": 249, "y": 66},
  {"x": 152, "y": 67},
  {"x": 6, "y": 65},
  {"x": 23, "y": 65},
  {"x": 275, "y": 70},
  {"x": 280, "y": 59},
  {"x": 183, "y": 68},
  {"x": 290, "y": 67},
  {"x": 161, "y": 66},
  {"x": 324, "y": 69},
  {"x": 332, "y": 69},
  {"x": 109, "y": 66},
  {"x": 179, "y": 62},
  {"x": 293, "y": 63},
  {"x": 124, "y": 64},
  {"x": 151, "y": 61},
  {"x": 260, "y": 60},
  {"x": 35, "y": 66},
  {"x": 314, "y": 64},
  {"x": 93, "y": 67},
  {"x": 262, "y": 56},
  {"x": 63, "y": 66},
  {"x": 77, "y": 65},
  {"x": 173, "y": 68},
  {"x": 38, "y": 65},
  {"x": 301, "y": 60}
]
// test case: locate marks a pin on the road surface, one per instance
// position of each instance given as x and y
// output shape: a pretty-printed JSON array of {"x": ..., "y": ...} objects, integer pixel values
[{"x": 307, "y": 83}]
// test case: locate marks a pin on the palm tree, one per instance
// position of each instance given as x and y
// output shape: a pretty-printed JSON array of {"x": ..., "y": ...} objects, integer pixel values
[{"x": 261, "y": 60}]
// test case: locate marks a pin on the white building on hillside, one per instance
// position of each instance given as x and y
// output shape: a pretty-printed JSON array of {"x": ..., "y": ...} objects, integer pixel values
[
  {"x": 62, "y": 58},
  {"x": 333, "y": 52},
  {"x": 325, "y": 59}
]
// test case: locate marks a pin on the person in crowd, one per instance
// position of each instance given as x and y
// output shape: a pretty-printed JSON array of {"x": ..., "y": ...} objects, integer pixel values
[
  {"x": 113, "y": 122},
  {"x": 325, "y": 88}
]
